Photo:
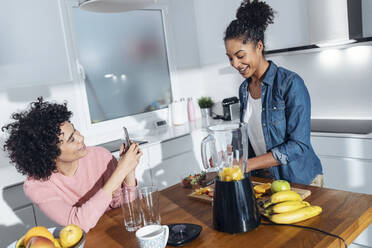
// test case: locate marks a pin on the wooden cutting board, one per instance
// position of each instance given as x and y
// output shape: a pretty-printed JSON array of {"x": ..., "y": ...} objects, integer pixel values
[{"x": 204, "y": 198}]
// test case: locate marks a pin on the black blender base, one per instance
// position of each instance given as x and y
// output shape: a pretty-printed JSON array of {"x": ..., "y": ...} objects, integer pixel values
[
  {"x": 234, "y": 206},
  {"x": 182, "y": 233}
]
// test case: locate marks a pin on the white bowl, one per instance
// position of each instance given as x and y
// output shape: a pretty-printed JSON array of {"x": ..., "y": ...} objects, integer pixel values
[{"x": 55, "y": 231}]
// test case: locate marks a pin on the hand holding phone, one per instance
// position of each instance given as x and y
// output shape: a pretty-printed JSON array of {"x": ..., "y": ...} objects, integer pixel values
[{"x": 125, "y": 139}]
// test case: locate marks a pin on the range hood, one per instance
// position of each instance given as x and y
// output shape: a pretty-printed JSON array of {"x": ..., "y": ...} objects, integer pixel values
[
  {"x": 335, "y": 22},
  {"x": 110, "y": 6}
]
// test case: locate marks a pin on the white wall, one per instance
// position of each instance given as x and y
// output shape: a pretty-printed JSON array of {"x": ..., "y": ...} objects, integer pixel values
[{"x": 339, "y": 80}]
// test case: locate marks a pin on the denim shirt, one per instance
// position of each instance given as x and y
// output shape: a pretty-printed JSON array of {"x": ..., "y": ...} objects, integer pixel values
[{"x": 285, "y": 124}]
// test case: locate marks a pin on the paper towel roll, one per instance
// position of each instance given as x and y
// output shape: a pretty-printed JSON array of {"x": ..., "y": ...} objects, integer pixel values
[{"x": 178, "y": 111}]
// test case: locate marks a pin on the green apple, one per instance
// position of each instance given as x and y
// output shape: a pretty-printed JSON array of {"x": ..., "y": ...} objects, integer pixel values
[{"x": 280, "y": 185}]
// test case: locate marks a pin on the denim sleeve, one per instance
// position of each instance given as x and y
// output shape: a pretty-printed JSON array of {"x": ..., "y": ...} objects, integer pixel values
[
  {"x": 278, "y": 156},
  {"x": 297, "y": 101}
]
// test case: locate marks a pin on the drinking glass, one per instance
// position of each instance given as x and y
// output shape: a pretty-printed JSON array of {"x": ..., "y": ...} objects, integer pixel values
[
  {"x": 131, "y": 208},
  {"x": 149, "y": 198}
]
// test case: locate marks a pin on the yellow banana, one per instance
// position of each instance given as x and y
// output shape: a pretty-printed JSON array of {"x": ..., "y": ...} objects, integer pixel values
[
  {"x": 287, "y": 206},
  {"x": 296, "y": 215},
  {"x": 281, "y": 196}
]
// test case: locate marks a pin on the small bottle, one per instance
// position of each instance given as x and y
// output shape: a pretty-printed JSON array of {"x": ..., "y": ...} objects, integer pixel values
[{"x": 190, "y": 109}]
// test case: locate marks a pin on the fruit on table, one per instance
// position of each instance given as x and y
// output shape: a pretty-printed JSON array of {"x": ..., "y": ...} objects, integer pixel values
[
  {"x": 204, "y": 191},
  {"x": 40, "y": 242},
  {"x": 194, "y": 179},
  {"x": 282, "y": 196},
  {"x": 296, "y": 215},
  {"x": 231, "y": 174},
  {"x": 262, "y": 188},
  {"x": 280, "y": 185},
  {"x": 287, "y": 206},
  {"x": 257, "y": 195},
  {"x": 37, "y": 231},
  {"x": 70, "y": 235}
]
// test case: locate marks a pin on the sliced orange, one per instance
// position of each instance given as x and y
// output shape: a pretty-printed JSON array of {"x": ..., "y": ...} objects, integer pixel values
[
  {"x": 257, "y": 195},
  {"x": 262, "y": 188}
]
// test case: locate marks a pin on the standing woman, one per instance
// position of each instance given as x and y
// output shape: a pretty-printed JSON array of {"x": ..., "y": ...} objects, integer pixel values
[{"x": 273, "y": 100}]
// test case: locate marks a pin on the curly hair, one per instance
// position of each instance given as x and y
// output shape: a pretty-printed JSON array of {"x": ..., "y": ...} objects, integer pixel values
[
  {"x": 252, "y": 19},
  {"x": 33, "y": 139}
]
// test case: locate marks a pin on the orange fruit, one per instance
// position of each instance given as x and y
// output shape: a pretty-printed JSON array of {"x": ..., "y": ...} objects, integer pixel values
[
  {"x": 262, "y": 188},
  {"x": 38, "y": 231},
  {"x": 70, "y": 235},
  {"x": 40, "y": 242}
]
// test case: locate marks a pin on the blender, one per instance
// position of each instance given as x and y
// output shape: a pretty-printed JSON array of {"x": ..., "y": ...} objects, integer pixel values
[{"x": 234, "y": 204}]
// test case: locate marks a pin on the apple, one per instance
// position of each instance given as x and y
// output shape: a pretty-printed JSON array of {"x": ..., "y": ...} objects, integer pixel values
[
  {"x": 280, "y": 185},
  {"x": 70, "y": 235},
  {"x": 40, "y": 242}
]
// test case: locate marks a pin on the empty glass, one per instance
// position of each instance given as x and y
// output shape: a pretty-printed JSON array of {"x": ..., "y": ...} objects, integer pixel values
[
  {"x": 149, "y": 198},
  {"x": 131, "y": 206}
]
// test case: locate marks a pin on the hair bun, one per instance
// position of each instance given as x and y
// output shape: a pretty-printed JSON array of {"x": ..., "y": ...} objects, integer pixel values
[{"x": 255, "y": 14}]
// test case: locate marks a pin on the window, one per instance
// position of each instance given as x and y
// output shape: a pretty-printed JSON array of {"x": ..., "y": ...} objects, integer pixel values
[{"x": 124, "y": 61}]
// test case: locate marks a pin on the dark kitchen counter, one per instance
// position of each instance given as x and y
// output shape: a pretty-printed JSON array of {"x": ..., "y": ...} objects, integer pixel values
[{"x": 342, "y": 126}]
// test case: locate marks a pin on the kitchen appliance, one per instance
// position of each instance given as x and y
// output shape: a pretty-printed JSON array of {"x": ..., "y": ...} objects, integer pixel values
[
  {"x": 343, "y": 19},
  {"x": 182, "y": 233},
  {"x": 231, "y": 109},
  {"x": 234, "y": 204}
]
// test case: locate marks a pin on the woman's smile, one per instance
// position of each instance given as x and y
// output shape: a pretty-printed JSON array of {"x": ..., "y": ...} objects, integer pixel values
[{"x": 243, "y": 70}]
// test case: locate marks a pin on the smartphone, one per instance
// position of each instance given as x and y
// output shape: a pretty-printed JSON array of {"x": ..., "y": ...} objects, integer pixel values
[{"x": 126, "y": 140}]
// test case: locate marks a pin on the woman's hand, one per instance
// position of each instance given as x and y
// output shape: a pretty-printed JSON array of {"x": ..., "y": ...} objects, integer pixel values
[
  {"x": 130, "y": 158},
  {"x": 125, "y": 169}
]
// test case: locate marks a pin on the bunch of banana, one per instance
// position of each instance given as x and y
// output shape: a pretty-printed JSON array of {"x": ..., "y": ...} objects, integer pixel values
[{"x": 286, "y": 207}]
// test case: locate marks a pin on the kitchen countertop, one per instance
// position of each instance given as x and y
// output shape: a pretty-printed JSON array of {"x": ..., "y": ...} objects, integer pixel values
[
  {"x": 165, "y": 133},
  {"x": 341, "y": 216},
  {"x": 359, "y": 128}
]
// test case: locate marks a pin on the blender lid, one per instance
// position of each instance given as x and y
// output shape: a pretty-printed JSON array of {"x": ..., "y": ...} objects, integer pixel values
[{"x": 182, "y": 233}]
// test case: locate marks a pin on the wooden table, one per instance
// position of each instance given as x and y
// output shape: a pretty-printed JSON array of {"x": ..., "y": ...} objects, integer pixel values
[{"x": 344, "y": 213}]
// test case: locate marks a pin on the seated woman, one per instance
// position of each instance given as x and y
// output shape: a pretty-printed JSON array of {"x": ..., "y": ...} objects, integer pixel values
[{"x": 71, "y": 183}]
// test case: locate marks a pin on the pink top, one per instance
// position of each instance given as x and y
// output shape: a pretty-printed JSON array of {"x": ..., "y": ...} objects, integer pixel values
[{"x": 78, "y": 199}]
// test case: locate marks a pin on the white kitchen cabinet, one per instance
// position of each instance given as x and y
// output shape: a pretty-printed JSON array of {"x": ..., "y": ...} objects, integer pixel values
[
  {"x": 290, "y": 27},
  {"x": 342, "y": 147},
  {"x": 212, "y": 18},
  {"x": 33, "y": 43},
  {"x": 171, "y": 160},
  {"x": 347, "y": 165},
  {"x": 170, "y": 171},
  {"x": 347, "y": 174}
]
